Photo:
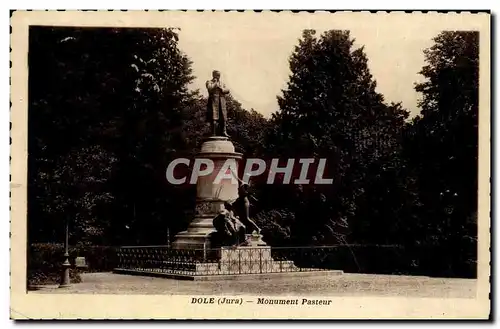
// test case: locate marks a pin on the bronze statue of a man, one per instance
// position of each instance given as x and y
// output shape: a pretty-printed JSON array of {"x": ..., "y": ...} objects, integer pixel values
[{"x": 216, "y": 107}]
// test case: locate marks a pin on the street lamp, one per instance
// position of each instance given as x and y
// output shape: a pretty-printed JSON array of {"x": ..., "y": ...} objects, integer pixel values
[{"x": 66, "y": 264}]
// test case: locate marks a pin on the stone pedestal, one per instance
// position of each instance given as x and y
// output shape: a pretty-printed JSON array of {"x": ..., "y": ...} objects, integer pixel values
[
  {"x": 210, "y": 195},
  {"x": 255, "y": 240},
  {"x": 245, "y": 260}
]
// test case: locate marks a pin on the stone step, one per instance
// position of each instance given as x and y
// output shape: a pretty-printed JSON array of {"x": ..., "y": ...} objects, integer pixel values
[
  {"x": 205, "y": 225},
  {"x": 193, "y": 235}
]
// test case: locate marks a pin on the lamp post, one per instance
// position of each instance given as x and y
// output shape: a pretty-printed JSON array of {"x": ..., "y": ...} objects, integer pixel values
[{"x": 66, "y": 264}]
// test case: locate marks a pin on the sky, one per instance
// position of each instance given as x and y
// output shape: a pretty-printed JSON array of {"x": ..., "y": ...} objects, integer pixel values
[{"x": 252, "y": 52}]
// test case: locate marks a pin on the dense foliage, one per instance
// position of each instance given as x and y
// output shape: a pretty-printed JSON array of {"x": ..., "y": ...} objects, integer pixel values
[
  {"x": 44, "y": 263},
  {"x": 109, "y": 109},
  {"x": 442, "y": 146},
  {"x": 331, "y": 110}
]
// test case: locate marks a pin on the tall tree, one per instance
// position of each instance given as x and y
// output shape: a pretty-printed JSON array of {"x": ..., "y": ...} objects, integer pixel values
[
  {"x": 443, "y": 144},
  {"x": 109, "y": 109},
  {"x": 330, "y": 109},
  {"x": 120, "y": 93}
]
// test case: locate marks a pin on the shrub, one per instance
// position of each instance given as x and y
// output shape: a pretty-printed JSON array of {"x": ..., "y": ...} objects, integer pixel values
[
  {"x": 45, "y": 261},
  {"x": 378, "y": 259},
  {"x": 382, "y": 259},
  {"x": 45, "y": 264}
]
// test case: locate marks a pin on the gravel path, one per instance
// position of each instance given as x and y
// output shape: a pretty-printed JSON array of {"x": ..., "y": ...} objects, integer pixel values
[{"x": 320, "y": 285}]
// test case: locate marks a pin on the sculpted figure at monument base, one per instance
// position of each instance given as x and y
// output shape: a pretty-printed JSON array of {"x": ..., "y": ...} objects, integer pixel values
[
  {"x": 230, "y": 231},
  {"x": 242, "y": 206}
]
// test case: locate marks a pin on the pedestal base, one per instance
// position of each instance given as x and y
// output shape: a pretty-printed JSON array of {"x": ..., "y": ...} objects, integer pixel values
[
  {"x": 211, "y": 193},
  {"x": 197, "y": 236},
  {"x": 190, "y": 240}
]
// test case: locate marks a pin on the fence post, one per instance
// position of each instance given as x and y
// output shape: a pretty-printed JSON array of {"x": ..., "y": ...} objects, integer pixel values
[
  {"x": 260, "y": 260},
  {"x": 239, "y": 261}
]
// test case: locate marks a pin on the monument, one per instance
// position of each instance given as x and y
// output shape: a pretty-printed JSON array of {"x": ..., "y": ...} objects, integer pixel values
[
  {"x": 222, "y": 240},
  {"x": 213, "y": 198}
]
